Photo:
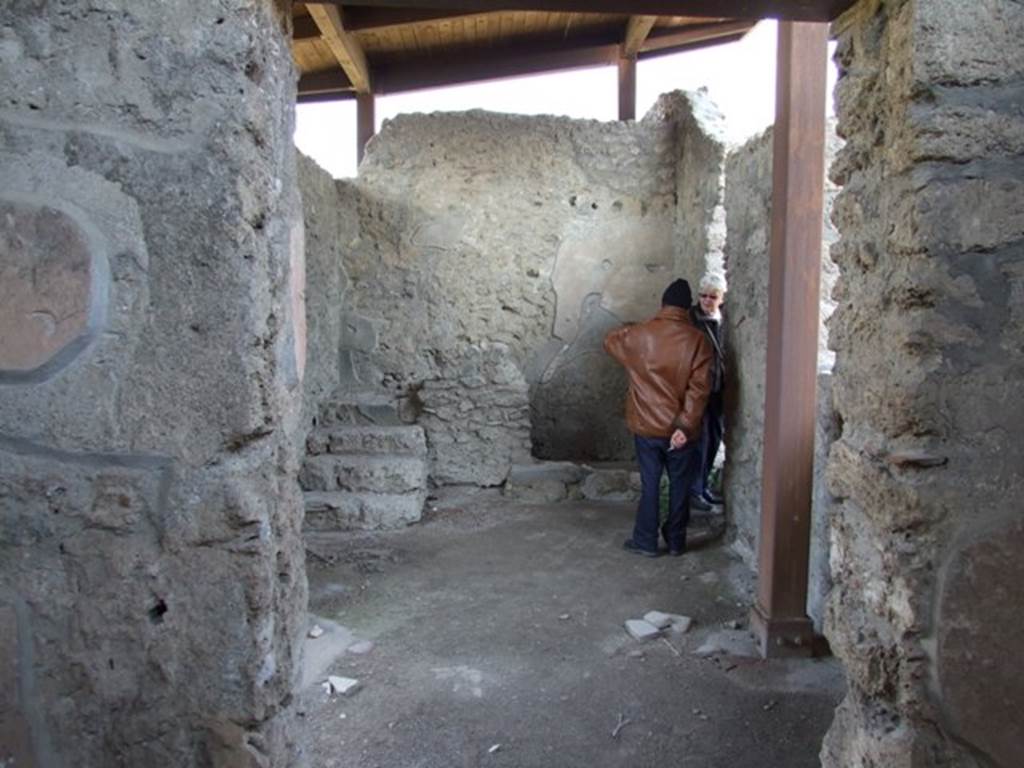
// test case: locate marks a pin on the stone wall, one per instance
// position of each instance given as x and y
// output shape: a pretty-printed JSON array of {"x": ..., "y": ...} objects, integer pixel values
[
  {"x": 929, "y": 371},
  {"x": 151, "y": 357},
  {"x": 331, "y": 226},
  {"x": 496, "y": 251},
  {"x": 748, "y": 190}
]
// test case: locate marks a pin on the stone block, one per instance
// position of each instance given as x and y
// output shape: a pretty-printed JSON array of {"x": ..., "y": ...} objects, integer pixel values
[
  {"x": 355, "y": 472},
  {"x": 344, "y": 510},
  {"x": 368, "y": 439},
  {"x": 639, "y": 629},
  {"x": 611, "y": 485}
]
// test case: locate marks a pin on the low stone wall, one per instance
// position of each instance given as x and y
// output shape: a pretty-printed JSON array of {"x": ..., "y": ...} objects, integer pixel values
[
  {"x": 748, "y": 189},
  {"x": 151, "y": 359},
  {"x": 929, "y": 371}
]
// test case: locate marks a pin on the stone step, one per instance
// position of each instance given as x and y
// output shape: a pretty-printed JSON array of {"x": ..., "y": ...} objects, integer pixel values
[
  {"x": 360, "y": 407},
  {"x": 344, "y": 510},
  {"x": 355, "y": 472},
  {"x": 407, "y": 440}
]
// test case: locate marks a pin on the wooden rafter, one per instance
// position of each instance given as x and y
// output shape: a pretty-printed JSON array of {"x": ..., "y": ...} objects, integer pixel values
[
  {"x": 792, "y": 10},
  {"x": 637, "y": 29},
  {"x": 343, "y": 45},
  {"x": 477, "y": 64},
  {"x": 670, "y": 41}
]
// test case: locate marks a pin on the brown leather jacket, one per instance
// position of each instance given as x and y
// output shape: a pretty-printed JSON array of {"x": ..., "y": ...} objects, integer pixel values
[{"x": 669, "y": 364}]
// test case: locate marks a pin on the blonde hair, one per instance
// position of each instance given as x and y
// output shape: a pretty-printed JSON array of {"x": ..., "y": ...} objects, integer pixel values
[{"x": 713, "y": 281}]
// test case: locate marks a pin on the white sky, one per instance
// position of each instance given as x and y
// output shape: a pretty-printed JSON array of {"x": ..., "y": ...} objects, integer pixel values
[{"x": 740, "y": 78}]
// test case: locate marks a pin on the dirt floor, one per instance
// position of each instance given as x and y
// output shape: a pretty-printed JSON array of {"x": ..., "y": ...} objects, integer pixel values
[{"x": 497, "y": 639}]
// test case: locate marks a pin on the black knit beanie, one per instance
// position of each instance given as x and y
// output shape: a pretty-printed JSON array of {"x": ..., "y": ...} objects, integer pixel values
[{"x": 677, "y": 295}]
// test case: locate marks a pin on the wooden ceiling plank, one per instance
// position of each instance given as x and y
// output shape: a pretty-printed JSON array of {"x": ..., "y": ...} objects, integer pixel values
[
  {"x": 362, "y": 17},
  {"x": 489, "y": 64},
  {"x": 344, "y": 46},
  {"x": 304, "y": 28},
  {"x": 792, "y": 10},
  {"x": 637, "y": 29}
]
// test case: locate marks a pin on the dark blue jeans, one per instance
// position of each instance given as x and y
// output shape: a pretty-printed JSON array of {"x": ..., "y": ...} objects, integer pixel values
[
  {"x": 654, "y": 457},
  {"x": 712, "y": 429}
]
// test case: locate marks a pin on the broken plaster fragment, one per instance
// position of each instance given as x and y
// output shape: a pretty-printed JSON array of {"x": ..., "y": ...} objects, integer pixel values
[
  {"x": 642, "y": 630},
  {"x": 345, "y": 686},
  {"x": 494, "y": 748},
  {"x": 316, "y": 631}
]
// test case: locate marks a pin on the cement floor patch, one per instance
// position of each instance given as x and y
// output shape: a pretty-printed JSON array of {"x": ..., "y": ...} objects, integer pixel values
[{"x": 472, "y": 649}]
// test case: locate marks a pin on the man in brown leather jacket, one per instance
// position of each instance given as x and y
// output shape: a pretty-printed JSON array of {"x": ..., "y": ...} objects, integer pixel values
[{"x": 669, "y": 364}]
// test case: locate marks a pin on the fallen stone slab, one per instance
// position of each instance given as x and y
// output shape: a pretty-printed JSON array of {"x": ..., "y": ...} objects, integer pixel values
[
  {"x": 343, "y": 686},
  {"x": 658, "y": 619},
  {"x": 642, "y": 630}
]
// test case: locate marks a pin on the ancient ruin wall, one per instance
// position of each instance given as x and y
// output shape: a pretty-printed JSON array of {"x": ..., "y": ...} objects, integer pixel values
[
  {"x": 929, "y": 374},
  {"x": 700, "y": 223},
  {"x": 495, "y": 253},
  {"x": 331, "y": 227},
  {"x": 748, "y": 191},
  {"x": 151, "y": 576}
]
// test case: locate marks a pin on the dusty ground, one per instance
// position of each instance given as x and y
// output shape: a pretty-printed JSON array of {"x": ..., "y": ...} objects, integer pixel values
[{"x": 503, "y": 625}]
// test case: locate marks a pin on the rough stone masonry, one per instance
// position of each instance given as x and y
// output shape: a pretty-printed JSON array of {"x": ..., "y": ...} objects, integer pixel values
[
  {"x": 151, "y": 360},
  {"x": 928, "y": 537},
  {"x": 493, "y": 254}
]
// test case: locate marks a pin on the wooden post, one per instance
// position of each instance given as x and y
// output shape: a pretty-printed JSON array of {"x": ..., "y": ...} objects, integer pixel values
[
  {"x": 364, "y": 123},
  {"x": 779, "y": 616},
  {"x": 627, "y": 87}
]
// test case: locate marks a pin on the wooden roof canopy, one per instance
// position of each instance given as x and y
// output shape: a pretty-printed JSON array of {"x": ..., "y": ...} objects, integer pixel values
[{"x": 392, "y": 46}]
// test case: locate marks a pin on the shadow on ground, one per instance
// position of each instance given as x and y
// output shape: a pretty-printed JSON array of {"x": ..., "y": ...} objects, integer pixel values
[{"x": 496, "y": 639}]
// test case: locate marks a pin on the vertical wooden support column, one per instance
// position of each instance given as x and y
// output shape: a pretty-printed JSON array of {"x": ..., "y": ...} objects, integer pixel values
[
  {"x": 627, "y": 87},
  {"x": 779, "y": 616},
  {"x": 364, "y": 123}
]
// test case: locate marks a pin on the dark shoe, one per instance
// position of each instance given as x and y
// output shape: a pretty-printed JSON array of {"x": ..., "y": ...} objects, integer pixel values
[
  {"x": 698, "y": 503},
  {"x": 676, "y": 552},
  {"x": 630, "y": 546},
  {"x": 713, "y": 498}
]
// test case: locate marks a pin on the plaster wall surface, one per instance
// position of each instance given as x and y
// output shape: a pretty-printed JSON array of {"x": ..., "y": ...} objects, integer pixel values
[
  {"x": 495, "y": 252},
  {"x": 151, "y": 364},
  {"x": 331, "y": 227},
  {"x": 748, "y": 192},
  {"x": 930, "y": 367}
]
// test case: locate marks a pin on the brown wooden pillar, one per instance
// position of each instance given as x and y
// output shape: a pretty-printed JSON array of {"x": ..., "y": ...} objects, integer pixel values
[
  {"x": 364, "y": 123},
  {"x": 627, "y": 87},
  {"x": 779, "y": 616}
]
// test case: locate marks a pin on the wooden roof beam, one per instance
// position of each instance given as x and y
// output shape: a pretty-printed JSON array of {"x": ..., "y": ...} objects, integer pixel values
[
  {"x": 637, "y": 29},
  {"x": 670, "y": 40},
  {"x": 791, "y": 10},
  {"x": 362, "y": 17},
  {"x": 343, "y": 45}
]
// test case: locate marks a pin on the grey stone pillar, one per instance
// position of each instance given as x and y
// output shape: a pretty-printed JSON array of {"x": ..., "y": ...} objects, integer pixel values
[
  {"x": 929, "y": 374},
  {"x": 151, "y": 358}
]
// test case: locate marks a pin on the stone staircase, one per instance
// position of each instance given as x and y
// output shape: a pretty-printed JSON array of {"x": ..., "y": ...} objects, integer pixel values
[{"x": 364, "y": 468}]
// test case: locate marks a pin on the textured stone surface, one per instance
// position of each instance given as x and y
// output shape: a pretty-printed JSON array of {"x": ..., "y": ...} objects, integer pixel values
[
  {"x": 331, "y": 225},
  {"x": 531, "y": 236},
  {"x": 748, "y": 187},
  {"x": 981, "y": 626},
  {"x": 928, "y": 355},
  {"x": 151, "y": 570}
]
